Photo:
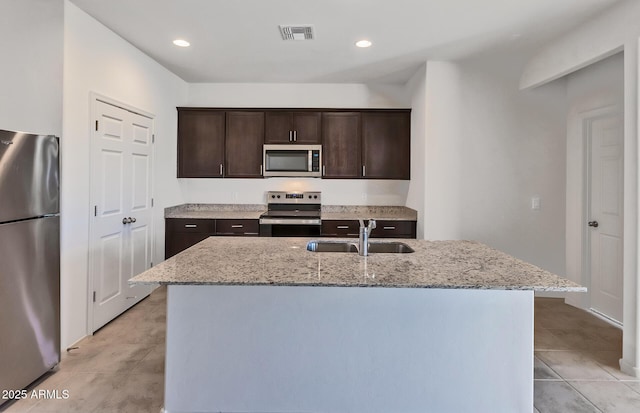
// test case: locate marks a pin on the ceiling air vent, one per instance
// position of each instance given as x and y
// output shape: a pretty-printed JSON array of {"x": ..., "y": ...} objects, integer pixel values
[{"x": 296, "y": 32}]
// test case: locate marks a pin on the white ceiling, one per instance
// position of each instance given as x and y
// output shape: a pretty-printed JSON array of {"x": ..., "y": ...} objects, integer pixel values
[{"x": 239, "y": 40}]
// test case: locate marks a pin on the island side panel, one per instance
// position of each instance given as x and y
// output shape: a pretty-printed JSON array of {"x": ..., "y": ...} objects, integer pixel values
[{"x": 348, "y": 350}]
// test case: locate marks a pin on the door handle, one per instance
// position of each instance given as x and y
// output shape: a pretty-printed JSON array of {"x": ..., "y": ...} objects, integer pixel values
[
  {"x": 126, "y": 220},
  {"x": 132, "y": 219},
  {"x": 593, "y": 224}
]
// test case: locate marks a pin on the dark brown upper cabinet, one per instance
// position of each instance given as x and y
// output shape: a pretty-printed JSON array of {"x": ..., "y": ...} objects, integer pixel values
[
  {"x": 386, "y": 144},
  {"x": 201, "y": 136},
  {"x": 341, "y": 145},
  {"x": 292, "y": 127},
  {"x": 243, "y": 145}
]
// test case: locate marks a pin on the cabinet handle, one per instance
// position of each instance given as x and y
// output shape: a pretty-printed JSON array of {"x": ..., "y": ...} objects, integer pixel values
[
  {"x": 295, "y": 136},
  {"x": 221, "y": 169},
  {"x": 290, "y": 136},
  {"x": 261, "y": 173},
  {"x": 388, "y": 227},
  {"x": 343, "y": 227},
  {"x": 191, "y": 226},
  {"x": 364, "y": 170},
  {"x": 237, "y": 226},
  {"x": 323, "y": 171}
]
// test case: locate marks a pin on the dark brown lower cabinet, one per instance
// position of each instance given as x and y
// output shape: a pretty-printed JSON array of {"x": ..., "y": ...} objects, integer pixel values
[
  {"x": 384, "y": 229},
  {"x": 181, "y": 233},
  {"x": 238, "y": 227}
]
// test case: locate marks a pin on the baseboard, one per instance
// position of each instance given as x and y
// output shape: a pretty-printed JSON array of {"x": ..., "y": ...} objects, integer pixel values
[{"x": 627, "y": 368}]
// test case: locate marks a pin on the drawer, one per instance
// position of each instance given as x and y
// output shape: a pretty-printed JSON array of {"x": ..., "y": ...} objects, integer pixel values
[
  {"x": 340, "y": 228},
  {"x": 248, "y": 227},
  {"x": 203, "y": 226},
  {"x": 394, "y": 229}
]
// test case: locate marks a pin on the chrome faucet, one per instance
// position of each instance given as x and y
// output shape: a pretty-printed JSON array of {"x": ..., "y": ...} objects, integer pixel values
[{"x": 363, "y": 239}]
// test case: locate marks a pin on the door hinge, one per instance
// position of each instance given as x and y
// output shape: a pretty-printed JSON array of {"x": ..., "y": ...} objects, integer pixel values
[
  {"x": 96, "y": 125},
  {"x": 151, "y": 202},
  {"x": 95, "y": 210},
  {"x": 94, "y": 296},
  {"x": 153, "y": 138},
  {"x": 151, "y": 265}
]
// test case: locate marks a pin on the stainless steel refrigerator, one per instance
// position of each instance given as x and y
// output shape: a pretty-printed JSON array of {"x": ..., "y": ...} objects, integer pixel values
[{"x": 29, "y": 258}]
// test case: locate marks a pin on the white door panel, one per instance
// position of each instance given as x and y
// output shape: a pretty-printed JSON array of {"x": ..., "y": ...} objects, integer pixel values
[
  {"x": 121, "y": 195},
  {"x": 605, "y": 208}
]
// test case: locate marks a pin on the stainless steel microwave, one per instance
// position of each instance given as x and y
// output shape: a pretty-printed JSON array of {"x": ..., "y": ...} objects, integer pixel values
[{"x": 292, "y": 160}]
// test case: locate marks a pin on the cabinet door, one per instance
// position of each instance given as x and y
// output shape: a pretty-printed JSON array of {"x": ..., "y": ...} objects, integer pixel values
[
  {"x": 200, "y": 143},
  {"x": 238, "y": 227},
  {"x": 386, "y": 144},
  {"x": 341, "y": 145},
  {"x": 306, "y": 127},
  {"x": 394, "y": 229},
  {"x": 245, "y": 136},
  {"x": 181, "y": 234},
  {"x": 278, "y": 127},
  {"x": 340, "y": 228}
]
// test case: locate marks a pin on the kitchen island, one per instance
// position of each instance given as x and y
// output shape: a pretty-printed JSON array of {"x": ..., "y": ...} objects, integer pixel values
[{"x": 263, "y": 325}]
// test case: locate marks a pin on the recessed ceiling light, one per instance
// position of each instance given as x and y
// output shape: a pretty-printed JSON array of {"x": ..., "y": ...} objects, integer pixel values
[
  {"x": 181, "y": 43},
  {"x": 363, "y": 43}
]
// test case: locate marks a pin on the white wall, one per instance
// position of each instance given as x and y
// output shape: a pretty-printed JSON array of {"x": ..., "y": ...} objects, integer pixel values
[
  {"x": 346, "y": 192},
  {"x": 512, "y": 149},
  {"x": 416, "y": 87},
  {"x": 97, "y": 60},
  {"x": 482, "y": 149},
  {"x": 606, "y": 34},
  {"x": 31, "y": 41}
]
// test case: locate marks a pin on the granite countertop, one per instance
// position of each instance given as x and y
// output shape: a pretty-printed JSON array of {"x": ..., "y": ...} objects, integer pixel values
[
  {"x": 215, "y": 211},
  {"x": 253, "y": 211},
  {"x": 286, "y": 262},
  {"x": 354, "y": 212}
]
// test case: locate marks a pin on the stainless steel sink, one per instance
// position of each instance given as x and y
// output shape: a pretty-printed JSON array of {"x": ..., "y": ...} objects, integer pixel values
[
  {"x": 331, "y": 246},
  {"x": 389, "y": 248},
  {"x": 374, "y": 247}
]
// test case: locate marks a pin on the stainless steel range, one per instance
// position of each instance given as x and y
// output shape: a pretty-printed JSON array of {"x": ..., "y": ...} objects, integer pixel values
[{"x": 291, "y": 214}]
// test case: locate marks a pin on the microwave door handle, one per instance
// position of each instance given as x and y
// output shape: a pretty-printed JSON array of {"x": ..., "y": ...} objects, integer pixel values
[{"x": 310, "y": 160}]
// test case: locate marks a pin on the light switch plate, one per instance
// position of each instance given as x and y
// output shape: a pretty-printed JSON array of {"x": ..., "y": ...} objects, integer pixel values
[{"x": 535, "y": 203}]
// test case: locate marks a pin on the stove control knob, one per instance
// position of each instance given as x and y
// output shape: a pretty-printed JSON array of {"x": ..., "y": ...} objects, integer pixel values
[
  {"x": 273, "y": 196},
  {"x": 309, "y": 196},
  {"x": 315, "y": 196},
  {"x": 278, "y": 196}
]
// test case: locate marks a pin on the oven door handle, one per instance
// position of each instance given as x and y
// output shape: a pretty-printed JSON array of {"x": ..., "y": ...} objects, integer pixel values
[{"x": 290, "y": 221}]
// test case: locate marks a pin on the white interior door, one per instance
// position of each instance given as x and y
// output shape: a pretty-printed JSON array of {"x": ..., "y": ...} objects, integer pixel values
[
  {"x": 605, "y": 215},
  {"x": 121, "y": 164}
]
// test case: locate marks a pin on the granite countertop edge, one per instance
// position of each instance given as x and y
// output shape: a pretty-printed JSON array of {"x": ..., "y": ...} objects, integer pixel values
[
  {"x": 253, "y": 211},
  {"x": 413, "y": 286}
]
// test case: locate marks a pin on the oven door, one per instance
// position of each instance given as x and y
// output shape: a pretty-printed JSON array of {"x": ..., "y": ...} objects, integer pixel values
[{"x": 289, "y": 227}]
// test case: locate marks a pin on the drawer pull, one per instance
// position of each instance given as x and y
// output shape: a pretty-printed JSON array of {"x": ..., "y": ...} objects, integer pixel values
[
  {"x": 343, "y": 226},
  {"x": 388, "y": 227},
  {"x": 237, "y": 226},
  {"x": 191, "y": 226}
]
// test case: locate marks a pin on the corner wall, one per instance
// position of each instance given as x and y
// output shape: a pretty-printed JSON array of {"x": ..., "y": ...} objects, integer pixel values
[
  {"x": 97, "y": 60},
  {"x": 481, "y": 149}
]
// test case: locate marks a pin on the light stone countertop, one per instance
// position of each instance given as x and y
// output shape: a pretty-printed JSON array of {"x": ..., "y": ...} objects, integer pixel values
[
  {"x": 286, "y": 262},
  {"x": 215, "y": 211},
  {"x": 253, "y": 211}
]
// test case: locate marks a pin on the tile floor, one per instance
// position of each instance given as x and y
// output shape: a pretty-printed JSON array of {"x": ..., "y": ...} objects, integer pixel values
[
  {"x": 121, "y": 368},
  {"x": 576, "y": 363}
]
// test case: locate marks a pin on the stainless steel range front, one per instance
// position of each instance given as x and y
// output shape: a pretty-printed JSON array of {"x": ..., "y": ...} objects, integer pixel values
[{"x": 291, "y": 214}]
